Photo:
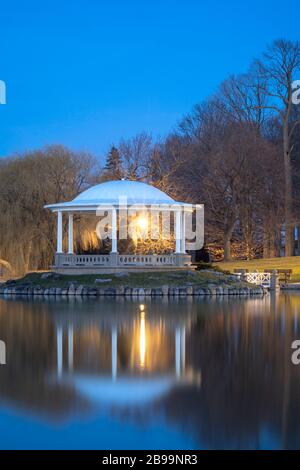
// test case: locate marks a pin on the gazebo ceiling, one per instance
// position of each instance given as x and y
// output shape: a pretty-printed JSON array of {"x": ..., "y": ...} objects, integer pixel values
[{"x": 110, "y": 192}]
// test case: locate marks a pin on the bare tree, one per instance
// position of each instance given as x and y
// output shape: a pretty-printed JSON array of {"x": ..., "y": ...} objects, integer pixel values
[
  {"x": 277, "y": 71},
  {"x": 241, "y": 99},
  {"x": 135, "y": 154},
  {"x": 230, "y": 167}
]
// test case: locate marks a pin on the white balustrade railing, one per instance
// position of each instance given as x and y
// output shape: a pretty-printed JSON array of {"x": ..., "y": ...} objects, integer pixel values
[
  {"x": 146, "y": 260},
  {"x": 62, "y": 260},
  {"x": 72, "y": 260}
]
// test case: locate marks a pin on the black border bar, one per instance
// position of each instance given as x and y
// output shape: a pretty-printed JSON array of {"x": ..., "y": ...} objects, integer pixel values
[{"x": 134, "y": 459}]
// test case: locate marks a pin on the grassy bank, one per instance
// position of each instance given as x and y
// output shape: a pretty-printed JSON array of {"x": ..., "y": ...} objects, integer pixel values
[
  {"x": 292, "y": 262},
  {"x": 195, "y": 278}
]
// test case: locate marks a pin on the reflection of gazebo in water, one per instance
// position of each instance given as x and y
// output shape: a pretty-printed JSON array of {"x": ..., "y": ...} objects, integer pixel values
[
  {"x": 120, "y": 200},
  {"x": 139, "y": 377}
]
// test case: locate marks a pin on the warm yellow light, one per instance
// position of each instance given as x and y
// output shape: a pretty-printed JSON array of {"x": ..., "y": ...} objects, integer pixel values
[
  {"x": 142, "y": 222},
  {"x": 142, "y": 307}
]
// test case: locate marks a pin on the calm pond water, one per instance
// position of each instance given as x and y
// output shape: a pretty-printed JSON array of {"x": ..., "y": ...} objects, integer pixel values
[{"x": 120, "y": 374}]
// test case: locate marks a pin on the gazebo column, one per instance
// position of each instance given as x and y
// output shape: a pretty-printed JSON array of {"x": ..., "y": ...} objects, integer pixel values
[
  {"x": 178, "y": 230},
  {"x": 59, "y": 232},
  {"x": 114, "y": 248},
  {"x": 183, "y": 233},
  {"x": 70, "y": 235}
]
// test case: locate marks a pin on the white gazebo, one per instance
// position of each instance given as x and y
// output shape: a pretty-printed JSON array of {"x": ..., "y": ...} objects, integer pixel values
[{"x": 117, "y": 198}]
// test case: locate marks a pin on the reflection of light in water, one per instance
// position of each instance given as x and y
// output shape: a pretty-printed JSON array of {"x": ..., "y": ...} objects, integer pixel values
[{"x": 142, "y": 340}]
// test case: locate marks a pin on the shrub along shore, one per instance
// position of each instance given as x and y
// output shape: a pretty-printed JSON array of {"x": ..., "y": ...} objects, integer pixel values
[{"x": 186, "y": 283}]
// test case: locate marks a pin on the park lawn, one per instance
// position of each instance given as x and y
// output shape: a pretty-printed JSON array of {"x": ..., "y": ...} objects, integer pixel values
[{"x": 292, "y": 262}]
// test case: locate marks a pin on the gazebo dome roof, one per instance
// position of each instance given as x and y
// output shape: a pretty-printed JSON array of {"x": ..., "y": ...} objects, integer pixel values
[
  {"x": 135, "y": 192},
  {"x": 113, "y": 193},
  {"x": 118, "y": 192}
]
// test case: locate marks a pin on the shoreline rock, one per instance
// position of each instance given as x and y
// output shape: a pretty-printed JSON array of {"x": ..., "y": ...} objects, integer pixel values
[{"x": 164, "y": 291}]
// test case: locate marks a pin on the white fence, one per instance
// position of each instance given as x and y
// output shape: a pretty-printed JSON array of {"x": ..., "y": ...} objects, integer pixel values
[
  {"x": 267, "y": 280},
  {"x": 260, "y": 279}
]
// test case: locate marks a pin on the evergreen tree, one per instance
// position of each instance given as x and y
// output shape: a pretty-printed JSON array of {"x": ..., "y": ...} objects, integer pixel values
[{"x": 113, "y": 164}]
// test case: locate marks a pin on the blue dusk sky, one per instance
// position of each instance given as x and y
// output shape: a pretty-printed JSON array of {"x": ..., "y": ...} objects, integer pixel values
[{"x": 85, "y": 73}]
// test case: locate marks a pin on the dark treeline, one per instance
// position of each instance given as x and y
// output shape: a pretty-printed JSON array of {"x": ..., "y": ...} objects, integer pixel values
[{"x": 237, "y": 152}]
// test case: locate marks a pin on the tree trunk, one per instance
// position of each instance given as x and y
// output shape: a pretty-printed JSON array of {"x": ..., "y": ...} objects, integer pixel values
[
  {"x": 266, "y": 240},
  {"x": 227, "y": 241},
  {"x": 272, "y": 252},
  {"x": 289, "y": 239}
]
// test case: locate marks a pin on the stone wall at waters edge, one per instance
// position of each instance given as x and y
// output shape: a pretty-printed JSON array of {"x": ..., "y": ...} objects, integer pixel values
[{"x": 165, "y": 291}]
